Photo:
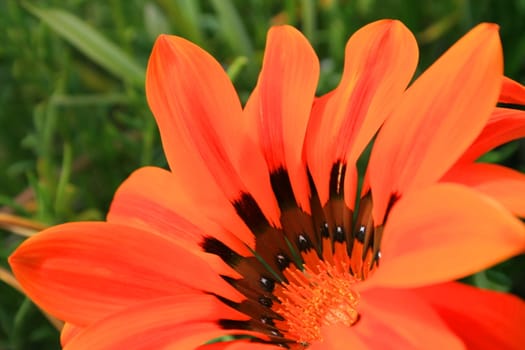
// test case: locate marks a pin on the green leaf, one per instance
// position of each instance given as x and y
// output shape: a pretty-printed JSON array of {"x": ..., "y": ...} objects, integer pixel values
[
  {"x": 91, "y": 43},
  {"x": 185, "y": 16},
  {"x": 493, "y": 280},
  {"x": 61, "y": 200},
  {"x": 233, "y": 27},
  {"x": 155, "y": 20},
  {"x": 235, "y": 68}
]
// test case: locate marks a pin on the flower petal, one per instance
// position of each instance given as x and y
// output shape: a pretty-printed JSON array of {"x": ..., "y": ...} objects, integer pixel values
[
  {"x": 483, "y": 319},
  {"x": 512, "y": 92},
  {"x": 380, "y": 59},
  {"x": 404, "y": 322},
  {"x": 444, "y": 232},
  {"x": 182, "y": 322},
  {"x": 200, "y": 121},
  {"x": 504, "y": 125},
  {"x": 391, "y": 319},
  {"x": 68, "y": 332},
  {"x": 338, "y": 337},
  {"x": 279, "y": 109},
  {"x": 81, "y": 272},
  {"x": 505, "y": 185},
  {"x": 239, "y": 345},
  {"x": 438, "y": 117},
  {"x": 154, "y": 200}
]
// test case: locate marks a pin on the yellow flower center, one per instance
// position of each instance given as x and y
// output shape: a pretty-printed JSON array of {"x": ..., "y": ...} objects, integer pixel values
[{"x": 317, "y": 297}]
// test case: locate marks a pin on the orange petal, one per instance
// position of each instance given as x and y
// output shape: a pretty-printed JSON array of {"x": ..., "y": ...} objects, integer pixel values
[
  {"x": 483, "y": 319},
  {"x": 512, "y": 92},
  {"x": 444, "y": 232},
  {"x": 403, "y": 320},
  {"x": 153, "y": 199},
  {"x": 81, "y": 272},
  {"x": 239, "y": 345},
  {"x": 380, "y": 59},
  {"x": 68, "y": 332},
  {"x": 505, "y": 185},
  {"x": 391, "y": 319},
  {"x": 504, "y": 125},
  {"x": 280, "y": 106},
  {"x": 182, "y": 322},
  {"x": 338, "y": 337},
  {"x": 438, "y": 117},
  {"x": 199, "y": 117}
]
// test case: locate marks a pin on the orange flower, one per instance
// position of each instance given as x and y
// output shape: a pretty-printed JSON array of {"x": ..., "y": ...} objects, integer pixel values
[{"x": 256, "y": 230}]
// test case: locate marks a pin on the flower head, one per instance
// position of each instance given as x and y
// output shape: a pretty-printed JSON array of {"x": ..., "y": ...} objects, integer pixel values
[{"x": 260, "y": 228}]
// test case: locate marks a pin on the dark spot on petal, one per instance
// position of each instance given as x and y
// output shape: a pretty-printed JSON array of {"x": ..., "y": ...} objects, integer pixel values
[
  {"x": 394, "y": 197},
  {"x": 304, "y": 243},
  {"x": 282, "y": 188},
  {"x": 267, "y": 283},
  {"x": 339, "y": 234},
  {"x": 268, "y": 321},
  {"x": 264, "y": 301},
  {"x": 249, "y": 211},
  {"x": 276, "y": 333},
  {"x": 337, "y": 176},
  {"x": 376, "y": 259},
  {"x": 234, "y": 324},
  {"x": 214, "y": 246},
  {"x": 360, "y": 234},
  {"x": 325, "y": 230},
  {"x": 282, "y": 261}
]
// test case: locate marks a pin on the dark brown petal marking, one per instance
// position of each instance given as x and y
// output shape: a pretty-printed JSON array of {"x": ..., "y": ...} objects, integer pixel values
[
  {"x": 360, "y": 234},
  {"x": 268, "y": 320},
  {"x": 264, "y": 301},
  {"x": 325, "y": 230},
  {"x": 339, "y": 234},
  {"x": 364, "y": 231},
  {"x": 293, "y": 219},
  {"x": 249, "y": 267},
  {"x": 303, "y": 243},
  {"x": 269, "y": 240},
  {"x": 267, "y": 283},
  {"x": 214, "y": 246},
  {"x": 328, "y": 232},
  {"x": 282, "y": 261},
  {"x": 337, "y": 213},
  {"x": 317, "y": 216},
  {"x": 252, "y": 325},
  {"x": 337, "y": 176},
  {"x": 252, "y": 307},
  {"x": 282, "y": 188},
  {"x": 394, "y": 197},
  {"x": 234, "y": 324},
  {"x": 250, "y": 212}
]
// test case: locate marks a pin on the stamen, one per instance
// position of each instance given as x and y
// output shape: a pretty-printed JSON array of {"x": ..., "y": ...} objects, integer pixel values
[{"x": 314, "y": 298}]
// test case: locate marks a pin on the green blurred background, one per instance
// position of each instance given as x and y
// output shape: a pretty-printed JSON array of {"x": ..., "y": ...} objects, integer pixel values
[{"x": 74, "y": 121}]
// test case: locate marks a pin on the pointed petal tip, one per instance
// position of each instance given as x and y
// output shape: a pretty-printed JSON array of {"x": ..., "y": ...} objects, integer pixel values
[
  {"x": 282, "y": 28},
  {"x": 163, "y": 41},
  {"x": 489, "y": 30},
  {"x": 512, "y": 92},
  {"x": 492, "y": 27},
  {"x": 392, "y": 24}
]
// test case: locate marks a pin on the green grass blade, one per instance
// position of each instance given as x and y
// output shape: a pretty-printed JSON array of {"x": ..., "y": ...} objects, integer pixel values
[
  {"x": 185, "y": 17},
  {"x": 308, "y": 10},
  {"x": 235, "y": 68},
  {"x": 92, "y": 43},
  {"x": 233, "y": 28}
]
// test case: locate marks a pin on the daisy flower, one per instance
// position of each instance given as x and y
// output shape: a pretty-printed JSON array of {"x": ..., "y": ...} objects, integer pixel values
[{"x": 263, "y": 227}]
